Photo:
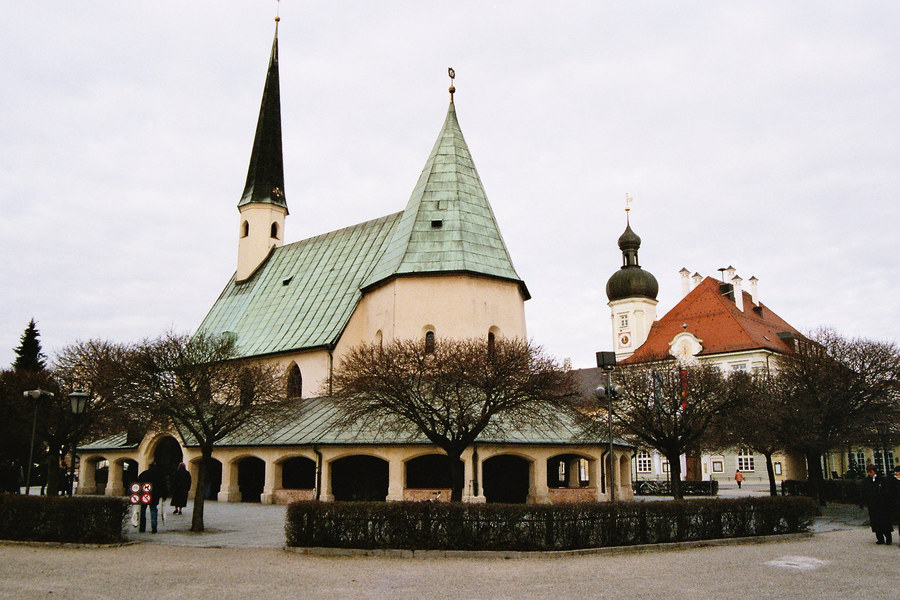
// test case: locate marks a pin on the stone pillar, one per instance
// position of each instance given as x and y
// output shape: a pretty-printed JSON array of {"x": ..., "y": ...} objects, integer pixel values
[
  {"x": 229, "y": 492},
  {"x": 114, "y": 485},
  {"x": 272, "y": 482},
  {"x": 87, "y": 481},
  {"x": 471, "y": 466},
  {"x": 538, "y": 492},
  {"x": 395, "y": 477},
  {"x": 325, "y": 494}
]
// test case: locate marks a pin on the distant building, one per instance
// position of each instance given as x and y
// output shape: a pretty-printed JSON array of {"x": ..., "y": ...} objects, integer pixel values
[{"x": 715, "y": 321}]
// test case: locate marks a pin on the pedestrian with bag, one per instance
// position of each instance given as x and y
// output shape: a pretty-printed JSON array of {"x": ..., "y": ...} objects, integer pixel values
[{"x": 159, "y": 491}]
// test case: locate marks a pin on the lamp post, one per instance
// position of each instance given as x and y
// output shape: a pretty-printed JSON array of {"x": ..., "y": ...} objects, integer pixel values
[
  {"x": 607, "y": 362},
  {"x": 35, "y": 395},
  {"x": 79, "y": 403}
]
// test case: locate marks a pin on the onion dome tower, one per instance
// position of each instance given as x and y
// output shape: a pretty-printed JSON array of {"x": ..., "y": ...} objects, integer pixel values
[{"x": 632, "y": 296}]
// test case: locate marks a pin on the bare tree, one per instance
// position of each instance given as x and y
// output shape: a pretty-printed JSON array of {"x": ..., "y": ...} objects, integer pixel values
[
  {"x": 198, "y": 385},
  {"x": 754, "y": 420},
  {"x": 451, "y": 392},
  {"x": 670, "y": 407},
  {"x": 837, "y": 389}
]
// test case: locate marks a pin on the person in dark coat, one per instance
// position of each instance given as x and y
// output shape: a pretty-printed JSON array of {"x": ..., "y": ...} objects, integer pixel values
[
  {"x": 181, "y": 484},
  {"x": 157, "y": 479},
  {"x": 876, "y": 493},
  {"x": 895, "y": 485}
]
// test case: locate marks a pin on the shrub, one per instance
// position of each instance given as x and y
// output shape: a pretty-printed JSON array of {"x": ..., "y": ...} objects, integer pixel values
[
  {"x": 457, "y": 526},
  {"x": 836, "y": 490},
  {"x": 82, "y": 519}
]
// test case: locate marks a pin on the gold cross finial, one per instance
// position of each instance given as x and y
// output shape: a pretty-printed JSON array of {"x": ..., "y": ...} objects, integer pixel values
[
  {"x": 628, "y": 201},
  {"x": 452, "y": 75}
]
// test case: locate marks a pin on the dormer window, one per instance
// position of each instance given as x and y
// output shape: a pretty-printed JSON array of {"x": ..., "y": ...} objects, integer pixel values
[{"x": 437, "y": 224}]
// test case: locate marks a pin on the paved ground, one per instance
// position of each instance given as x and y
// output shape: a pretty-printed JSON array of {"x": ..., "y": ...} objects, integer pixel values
[{"x": 241, "y": 557}]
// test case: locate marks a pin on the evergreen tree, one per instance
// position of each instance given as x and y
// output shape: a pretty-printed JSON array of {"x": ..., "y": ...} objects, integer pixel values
[{"x": 28, "y": 355}]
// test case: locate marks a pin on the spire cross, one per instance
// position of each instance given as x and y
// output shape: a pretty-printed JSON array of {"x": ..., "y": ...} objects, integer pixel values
[
  {"x": 277, "y": 13},
  {"x": 628, "y": 200},
  {"x": 452, "y": 75}
]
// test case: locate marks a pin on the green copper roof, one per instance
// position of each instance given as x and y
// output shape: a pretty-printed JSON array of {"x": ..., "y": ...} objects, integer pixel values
[
  {"x": 448, "y": 224},
  {"x": 303, "y": 295},
  {"x": 265, "y": 176}
]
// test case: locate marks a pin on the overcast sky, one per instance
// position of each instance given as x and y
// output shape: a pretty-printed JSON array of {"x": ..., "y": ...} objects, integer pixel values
[{"x": 762, "y": 135}]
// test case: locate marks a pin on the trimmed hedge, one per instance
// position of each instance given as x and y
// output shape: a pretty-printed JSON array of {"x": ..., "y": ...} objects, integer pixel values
[
  {"x": 836, "y": 490},
  {"x": 458, "y": 526},
  {"x": 81, "y": 519},
  {"x": 664, "y": 488}
]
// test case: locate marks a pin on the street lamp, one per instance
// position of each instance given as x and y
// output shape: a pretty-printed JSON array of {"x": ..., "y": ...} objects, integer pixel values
[
  {"x": 79, "y": 403},
  {"x": 607, "y": 362},
  {"x": 35, "y": 395}
]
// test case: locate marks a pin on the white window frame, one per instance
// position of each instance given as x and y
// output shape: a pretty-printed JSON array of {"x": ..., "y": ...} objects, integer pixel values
[
  {"x": 745, "y": 461},
  {"x": 623, "y": 320},
  {"x": 643, "y": 462}
]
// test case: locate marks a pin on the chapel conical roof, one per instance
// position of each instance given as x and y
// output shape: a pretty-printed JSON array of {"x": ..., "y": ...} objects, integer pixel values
[
  {"x": 265, "y": 176},
  {"x": 448, "y": 225}
]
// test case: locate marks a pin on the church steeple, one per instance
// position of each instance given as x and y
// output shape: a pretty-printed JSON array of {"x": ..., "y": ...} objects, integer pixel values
[
  {"x": 265, "y": 177},
  {"x": 448, "y": 225},
  {"x": 263, "y": 206}
]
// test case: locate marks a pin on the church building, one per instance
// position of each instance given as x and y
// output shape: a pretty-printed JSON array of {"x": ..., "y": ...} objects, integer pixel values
[{"x": 439, "y": 268}]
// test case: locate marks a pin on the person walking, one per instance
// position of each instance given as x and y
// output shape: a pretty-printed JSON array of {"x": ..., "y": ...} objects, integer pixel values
[
  {"x": 895, "y": 497},
  {"x": 875, "y": 493},
  {"x": 181, "y": 484},
  {"x": 739, "y": 477},
  {"x": 156, "y": 478}
]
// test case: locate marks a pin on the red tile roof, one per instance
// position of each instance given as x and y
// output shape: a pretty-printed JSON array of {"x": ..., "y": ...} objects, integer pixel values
[{"x": 714, "y": 318}]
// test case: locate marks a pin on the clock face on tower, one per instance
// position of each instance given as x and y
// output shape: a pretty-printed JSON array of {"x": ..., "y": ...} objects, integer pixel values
[{"x": 624, "y": 339}]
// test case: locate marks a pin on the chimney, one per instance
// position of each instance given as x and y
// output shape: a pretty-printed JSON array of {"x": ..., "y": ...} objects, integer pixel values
[
  {"x": 729, "y": 273},
  {"x": 697, "y": 279},
  {"x": 738, "y": 292},
  {"x": 754, "y": 290},
  {"x": 685, "y": 281}
]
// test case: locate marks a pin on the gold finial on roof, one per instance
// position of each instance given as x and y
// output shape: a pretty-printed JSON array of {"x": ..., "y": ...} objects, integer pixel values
[
  {"x": 277, "y": 11},
  {"x": 452, "y": 75},
  {"x": 628, "y": 201}
]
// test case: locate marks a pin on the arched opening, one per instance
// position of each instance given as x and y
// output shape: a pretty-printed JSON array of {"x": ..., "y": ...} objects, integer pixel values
[
  {"x": 359, "y": 478},
  {"x": 506, "y": 479},
  {"x": 429, "y": 342},
  {"x": 431, "y": 472},
  {"x": 379, "y": 339},
  {"x": 129, "y": 472},
  {"x": 298, "y": 473},
  {"x": 492, "y": 343},
  {"x": 168, "y": 454},
  {"x": 251, "y": 478},
  {"x": 624, "y": 473},
  {"x": 245, "y": 229},
  {"x": 274, "y": 231},
  {"x": 568, "y": 471},
  {"x": 295, "y": 382}
]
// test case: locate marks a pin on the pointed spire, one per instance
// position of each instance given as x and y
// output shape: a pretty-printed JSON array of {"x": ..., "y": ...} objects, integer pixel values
[
  {"x": 265, "y": 177},
  {"x": 448, "y": 224}
]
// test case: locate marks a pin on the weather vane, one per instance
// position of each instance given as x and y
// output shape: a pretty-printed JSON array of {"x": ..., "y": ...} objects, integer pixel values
[
  {"x": 452, "y": 75},
  {"x": 628, "y": 201}
]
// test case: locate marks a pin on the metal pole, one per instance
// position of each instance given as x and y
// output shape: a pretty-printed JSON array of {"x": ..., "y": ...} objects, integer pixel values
[
  {"x": 31, "y": 452},
  {"x": 609, "y": 417}
]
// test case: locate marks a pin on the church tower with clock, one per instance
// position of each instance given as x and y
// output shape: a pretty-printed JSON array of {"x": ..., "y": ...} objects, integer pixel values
[{"x": 632, "y": 297}]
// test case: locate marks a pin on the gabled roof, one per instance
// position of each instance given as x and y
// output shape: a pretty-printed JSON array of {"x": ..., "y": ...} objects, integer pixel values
[
  {"x": 265, "y": 176},
  {"x": 315, "y": 423},
  {"x": 303, "y": 294},
  {"x": 448, "y": 224},
  {"x": 714, "y": 318}
]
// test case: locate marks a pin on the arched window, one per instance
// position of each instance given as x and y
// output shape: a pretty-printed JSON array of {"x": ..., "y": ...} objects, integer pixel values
[
  {"x": 492, "y": 341},
  {"x": 275, "y": 231},
  {"x": 245, "y": 229},
  {"x": 429, "y": 342},
  {"x": 379, "y": 339},
  {"x": 295, "y": 382}
]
